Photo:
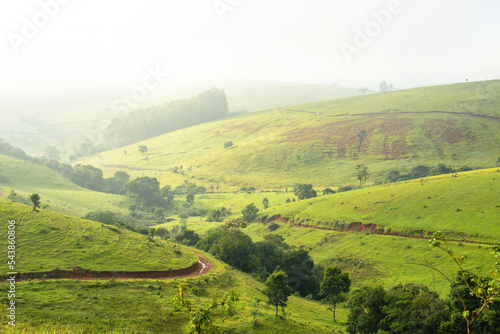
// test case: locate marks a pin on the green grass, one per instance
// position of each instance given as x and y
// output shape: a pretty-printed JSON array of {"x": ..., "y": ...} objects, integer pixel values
[
  {"x": 374, "y": 259},
  {"x": 47, "y": 240},
  {"x": 146, "y": 306},
  {"x": 400, "y": 206},
  {"x": 319, "y": 143},
  {"x": 57, "y": 193}
]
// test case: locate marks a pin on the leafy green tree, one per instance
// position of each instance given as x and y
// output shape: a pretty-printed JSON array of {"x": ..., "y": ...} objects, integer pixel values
[
  {"x": 483, "y": 288},
  {"x": 362, "y": 174},
  {"x": 35, "y": 199},
  {"x": 304, "y": 191},
  {"x": 190, "y": 198},
  {"x": 328, "y": 191},
  {"x": 162, "y": 232},
  {"x": 105, "y": 217},
  {"x": 265, "y": 202},
  {"x": 235, "y": 248},
  {"x": 392, "y": 176},
  {"x": 201, "y": 317},
  {"x": 334, "y": 286},
  {"x": 188, "y": 237},
  {"x": 145, "y": 191},
  {"x": 412, "y": 308},
  {"x": 365, "y": 310},
  {"x": 159, "y": 214},
  {"x": 88, "y": 177},
  {"x": 228, "y": 144},
  {"x": 143, "y": 149},
  {"x": 277, "y": 289},
  {"x": 249, "y": 213},
  {"x": 299, "y": 267}
]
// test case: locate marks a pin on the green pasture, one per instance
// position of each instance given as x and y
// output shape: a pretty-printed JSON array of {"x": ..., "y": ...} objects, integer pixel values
[
  {"x": 47, "y": 240},
  {"x": 321, "y": 143},
  {"x": 57, "y": 192},
  {"x": 146, "y": 306}
]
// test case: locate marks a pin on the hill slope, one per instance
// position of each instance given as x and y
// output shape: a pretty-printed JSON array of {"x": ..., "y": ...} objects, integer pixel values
[
  {"x": 321, "y": 143},
  {"x": 47, "y": 240},
  {"x": 465, "y": 204},
  {"x": 57, "y": 192}
]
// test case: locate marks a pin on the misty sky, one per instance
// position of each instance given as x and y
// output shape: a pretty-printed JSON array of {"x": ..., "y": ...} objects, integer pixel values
[{"x": 96, "y": 46}]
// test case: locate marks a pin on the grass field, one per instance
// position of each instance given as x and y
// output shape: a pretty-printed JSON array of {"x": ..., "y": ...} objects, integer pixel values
[
  {"x": 46, "y": 240},
  {"x": 146, "y": 306},
  {"x": 384, "y": 260},
  {"x": 57, "y": 193},
  {"x": 321, "y": 143},
  {"x": 468, "y": 205}
]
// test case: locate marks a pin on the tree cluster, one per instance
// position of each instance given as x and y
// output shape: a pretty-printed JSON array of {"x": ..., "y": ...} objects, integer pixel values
[
  {"x": 422, "y": 171},
  {"x": 262, "y": 258},
  {"x": 159, "y": 119},
  {"x": 304, "y": 191}
]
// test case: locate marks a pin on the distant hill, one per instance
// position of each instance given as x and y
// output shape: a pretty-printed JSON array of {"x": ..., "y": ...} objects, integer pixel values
[
  {"x": 71, "y": 124},
  {"x": 57, "y": 192},
  {"x": 322, "y": 143}
]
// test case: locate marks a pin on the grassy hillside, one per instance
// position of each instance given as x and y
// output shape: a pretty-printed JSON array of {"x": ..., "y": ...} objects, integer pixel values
[
  {"x": 57, "y": 193},
  {"x": 146, "y": 306},
  {"x": 47, "y": 240},
  {"x": 384, "y": 260},
  {"x": 321, "y": 143},
  {"x": 466, "y": 204}
]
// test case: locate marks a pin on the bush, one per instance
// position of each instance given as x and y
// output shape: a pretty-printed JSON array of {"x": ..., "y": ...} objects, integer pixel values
[
  {"x": 273, "y": 227},
  {"x": 228, "y": 144}
]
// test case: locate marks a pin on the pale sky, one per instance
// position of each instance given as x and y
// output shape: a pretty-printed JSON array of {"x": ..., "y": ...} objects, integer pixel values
[{"x": 82, "y": 47}]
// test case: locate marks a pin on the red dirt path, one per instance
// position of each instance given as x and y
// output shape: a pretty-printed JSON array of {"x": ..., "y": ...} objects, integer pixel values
[{"x": 201, "y": 267}]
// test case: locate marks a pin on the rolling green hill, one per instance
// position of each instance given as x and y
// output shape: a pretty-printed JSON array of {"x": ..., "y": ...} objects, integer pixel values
[
  {"x": 466, "y": 204},
  {"x": 321, "y": 143},
  {"x": 46, "y": 240},
  {"x": 57, "y": 193}
]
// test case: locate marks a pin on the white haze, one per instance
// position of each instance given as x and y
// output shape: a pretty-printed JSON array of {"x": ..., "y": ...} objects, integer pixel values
[{"x": 92, "y": 48}]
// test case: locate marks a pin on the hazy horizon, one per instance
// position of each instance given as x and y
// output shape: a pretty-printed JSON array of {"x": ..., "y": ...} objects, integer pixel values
[{"x": 55, "y": 49}]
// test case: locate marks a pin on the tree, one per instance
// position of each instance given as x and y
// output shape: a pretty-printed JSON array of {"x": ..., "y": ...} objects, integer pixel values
[
  {"x": 51, "y": 152},
  {"x": 362, "y": 174},
  {"x": 328, "y": 191},
  {"x": 363, "y": 90},
  {"x": 299, "y": 267},
  {"x": 162, "y": 232},
  {"x": 265, "y": 202},
  {"x": 484, "y": 289},
  {"x": 190, "y": 198},
  {"x": 35, "y": 199},
  {"x": 383, "y": 86},
  {"x": 142, "y": 148},
  {"x": 200, "y": 318},
  {"x": 228, "y": 144},
  {"x": 393, "y": 176},
  {"x": 412, "y": 308},
  {"x": 188, "y": 237},
  {"x": 145, "y": 191},
  {"x": 277, "y": 289},
  {"x": 334, "y": 286},
  {"x": 304, "y": 191},
  {"x": 365, "y": 310},
  {"x": 235, "y": 248},
  {"x": 249, "y": 213}
]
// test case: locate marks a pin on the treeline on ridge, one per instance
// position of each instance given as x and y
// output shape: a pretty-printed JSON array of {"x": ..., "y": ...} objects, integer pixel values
[{"x": 170, "y": 116}]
